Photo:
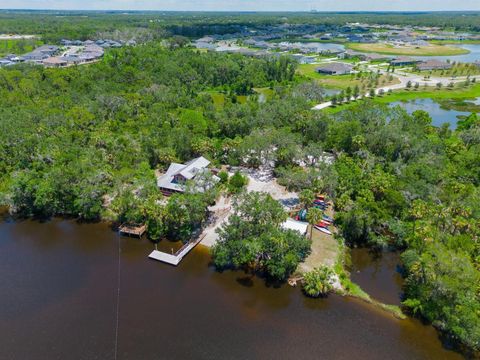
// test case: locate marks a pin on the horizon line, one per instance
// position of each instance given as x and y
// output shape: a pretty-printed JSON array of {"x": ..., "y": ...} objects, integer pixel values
[{"x": 313, "y": 11}]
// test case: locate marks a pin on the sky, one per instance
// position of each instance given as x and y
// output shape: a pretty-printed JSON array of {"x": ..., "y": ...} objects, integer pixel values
[{"x": 245, "y": 5}]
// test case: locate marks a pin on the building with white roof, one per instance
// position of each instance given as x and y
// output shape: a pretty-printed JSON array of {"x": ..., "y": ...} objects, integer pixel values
[
  {"x": 177, "y": 175},
  {"x": 299, "y": 226}
]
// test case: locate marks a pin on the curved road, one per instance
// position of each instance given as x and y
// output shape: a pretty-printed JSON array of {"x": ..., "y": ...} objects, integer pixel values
[{"x": 404, "y": 78}]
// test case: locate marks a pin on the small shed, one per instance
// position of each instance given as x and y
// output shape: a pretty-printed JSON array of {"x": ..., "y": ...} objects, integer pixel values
[{"x": 290, "y": 224}]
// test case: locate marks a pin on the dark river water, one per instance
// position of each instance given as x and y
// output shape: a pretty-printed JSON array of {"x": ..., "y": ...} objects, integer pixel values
[
  {"x": 378, "y": 274},
  {"x": 60, "y": 286}
]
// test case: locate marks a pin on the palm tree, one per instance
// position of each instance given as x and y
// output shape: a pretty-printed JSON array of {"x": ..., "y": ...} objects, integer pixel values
[
  {"x": 318, "y": 282},
  {"x": 306, "y": 198},
  {"x": 314, "y": 216}
]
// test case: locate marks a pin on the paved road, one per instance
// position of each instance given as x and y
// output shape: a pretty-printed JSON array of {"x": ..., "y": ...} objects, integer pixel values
[{"x": 404, "y": 78}]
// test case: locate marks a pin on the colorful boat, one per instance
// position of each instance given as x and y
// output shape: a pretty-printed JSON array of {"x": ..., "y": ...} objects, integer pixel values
[
  {"x": 327, "y": 218},
  {"x": 322, "y": 229},
  {"x": 323, "y": 224}
]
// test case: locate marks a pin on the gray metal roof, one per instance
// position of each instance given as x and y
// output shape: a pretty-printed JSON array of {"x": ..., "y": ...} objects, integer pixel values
[
  {"x": 188, "y": 171},
  {"x": 334, "y": 67}
]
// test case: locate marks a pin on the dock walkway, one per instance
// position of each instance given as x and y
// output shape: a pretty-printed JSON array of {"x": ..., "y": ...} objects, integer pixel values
[{"x": 178, "y": 256}]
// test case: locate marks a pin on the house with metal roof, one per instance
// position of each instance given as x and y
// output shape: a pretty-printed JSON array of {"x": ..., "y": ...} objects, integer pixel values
[
  {"x": 334, "y": 68},
  {"x": 39, "y": 54},
  {"x": 404, "y": 61},
  {"x": 177, "y": 175},
  {"x": 55, "y": 61},
  {"x": 433, "y": 64}
]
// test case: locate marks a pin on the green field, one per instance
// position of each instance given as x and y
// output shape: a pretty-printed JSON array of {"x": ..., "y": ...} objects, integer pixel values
[
  {"x": 471, "y": 92},
  {"x": 458, "y": 69},
  {"x": 388, "y": 49},
  {"x": 220, "y": 99}
]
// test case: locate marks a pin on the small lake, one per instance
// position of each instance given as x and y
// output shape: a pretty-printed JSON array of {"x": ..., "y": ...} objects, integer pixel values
[
  {"x": 439, "y": 116},
  {"x": 79, "y": 291},
  {"x": 473, "y": 56}
]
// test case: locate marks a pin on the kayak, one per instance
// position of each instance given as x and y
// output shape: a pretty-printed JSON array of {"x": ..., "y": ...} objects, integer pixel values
[{"x": 326, "y": 231}]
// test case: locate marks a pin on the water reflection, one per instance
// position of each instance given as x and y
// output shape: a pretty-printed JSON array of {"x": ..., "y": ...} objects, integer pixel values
[
  {"x": 59, "y": 295},
  {"x": 439, "y": 115},
  {"x": 378, "y": 273}
]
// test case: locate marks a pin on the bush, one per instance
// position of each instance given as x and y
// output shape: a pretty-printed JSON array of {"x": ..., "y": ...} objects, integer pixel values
[
  {"x": 223, "y": 175},
  {"x": 318, "y": 282},
  {"x": 237, "y": 182}
]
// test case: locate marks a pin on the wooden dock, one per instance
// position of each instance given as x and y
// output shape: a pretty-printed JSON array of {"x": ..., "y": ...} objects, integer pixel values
[
  {"x": 178, "y": 256},
  {"x": 132, "y": 230}
]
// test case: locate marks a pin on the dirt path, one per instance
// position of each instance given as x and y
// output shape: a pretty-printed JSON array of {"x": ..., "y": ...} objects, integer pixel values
[{"x": 324, "y": 252}]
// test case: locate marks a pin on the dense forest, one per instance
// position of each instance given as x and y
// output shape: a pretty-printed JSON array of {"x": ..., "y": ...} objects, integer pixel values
[
  {"x": 55, "y": 25},
  {"x": 85, "y": 142}
]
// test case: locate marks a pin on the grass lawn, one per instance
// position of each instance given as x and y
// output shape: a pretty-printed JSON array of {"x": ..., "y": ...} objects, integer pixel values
[
  {"x": 345, "y": 81},
  {"x": 324, "y": 251},
  {"x": 218, "y": 99},
  {"x": 428, "y": 50},
  {"x": 267, "y": 93},
  {"x": 18, "y": 46},
  {"x": 456, "y": 70},
  {"x": 458, "y": 92}
]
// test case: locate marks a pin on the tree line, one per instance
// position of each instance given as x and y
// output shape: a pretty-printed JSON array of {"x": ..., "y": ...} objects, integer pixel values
[{"x": 85, "y": 142}]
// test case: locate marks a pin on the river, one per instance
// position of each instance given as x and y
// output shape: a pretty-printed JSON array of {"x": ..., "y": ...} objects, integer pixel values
[
  {"x": 60, "y": 286},
  {"x": 378, "y": 274}
]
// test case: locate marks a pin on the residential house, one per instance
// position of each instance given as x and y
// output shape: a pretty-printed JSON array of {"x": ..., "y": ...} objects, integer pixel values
[
  {"x": 39, "y": 54},
  {"x": 404, "y": 61},
  {"x": 377, "y": 57},
  {"x": 177, "y": 175},
  {"x": 302, "y": 59},
  {"x": 349, "y": 54},
  {"x": 55, "y": 61},
  {"x": 433, "y": 64},
  {"x": 334, "y": 68}
]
